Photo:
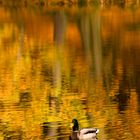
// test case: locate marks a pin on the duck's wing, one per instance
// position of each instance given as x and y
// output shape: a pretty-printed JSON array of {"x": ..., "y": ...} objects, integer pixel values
[{"x": 89, "y": 130}]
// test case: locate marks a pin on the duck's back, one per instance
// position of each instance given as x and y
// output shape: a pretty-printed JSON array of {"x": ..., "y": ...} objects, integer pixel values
[
  {"x": 88, "y": 130},
  {"x": 88, "y": 133}
]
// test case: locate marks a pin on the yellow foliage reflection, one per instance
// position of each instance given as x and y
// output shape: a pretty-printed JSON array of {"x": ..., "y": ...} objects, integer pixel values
[{"x": 58, "y": 65}]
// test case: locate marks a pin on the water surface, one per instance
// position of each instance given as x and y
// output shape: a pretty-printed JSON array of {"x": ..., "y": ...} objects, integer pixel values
[{"x": 59, "y": 64}]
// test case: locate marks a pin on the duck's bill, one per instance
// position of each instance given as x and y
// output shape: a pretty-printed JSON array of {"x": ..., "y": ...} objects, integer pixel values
[{"x": 71, "y": 125}]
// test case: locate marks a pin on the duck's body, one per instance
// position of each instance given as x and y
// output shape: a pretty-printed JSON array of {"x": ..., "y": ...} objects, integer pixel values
[{"x": 83, "y": 134}]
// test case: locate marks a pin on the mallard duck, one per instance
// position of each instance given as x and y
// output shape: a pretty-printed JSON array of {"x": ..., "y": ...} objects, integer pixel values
[{"x": 82, "y": 134}]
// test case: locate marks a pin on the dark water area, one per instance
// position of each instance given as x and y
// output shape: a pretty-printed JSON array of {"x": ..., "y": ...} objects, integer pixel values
[{"x": 57, "y": 64}]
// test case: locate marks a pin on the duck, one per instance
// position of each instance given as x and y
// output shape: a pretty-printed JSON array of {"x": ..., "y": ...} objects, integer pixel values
[{"x": 82, "y": 134}]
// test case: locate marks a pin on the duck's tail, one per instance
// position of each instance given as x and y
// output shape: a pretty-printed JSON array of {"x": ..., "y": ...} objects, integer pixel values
[{"x": 97, "y": 131}]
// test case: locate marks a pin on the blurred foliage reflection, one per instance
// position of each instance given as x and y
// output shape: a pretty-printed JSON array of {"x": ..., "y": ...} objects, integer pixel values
[{"x": 59, "y": 64}]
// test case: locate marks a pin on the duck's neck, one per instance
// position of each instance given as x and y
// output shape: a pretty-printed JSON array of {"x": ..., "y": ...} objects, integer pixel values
[{"x": 75, "y": 127}]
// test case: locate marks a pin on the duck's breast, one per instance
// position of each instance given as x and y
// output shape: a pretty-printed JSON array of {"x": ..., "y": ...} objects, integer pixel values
[{"x": 74, "y": 136}]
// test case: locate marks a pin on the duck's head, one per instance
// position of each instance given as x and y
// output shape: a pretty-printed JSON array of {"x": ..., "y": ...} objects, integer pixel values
[{"x": 75, "y": 125}]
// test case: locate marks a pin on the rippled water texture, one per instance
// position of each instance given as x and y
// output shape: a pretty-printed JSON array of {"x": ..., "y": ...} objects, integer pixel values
[{"x": 59, "y": 64}]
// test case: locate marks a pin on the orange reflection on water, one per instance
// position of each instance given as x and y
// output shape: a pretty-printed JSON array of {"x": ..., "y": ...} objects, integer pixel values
[{"x": 59, "y": 64}]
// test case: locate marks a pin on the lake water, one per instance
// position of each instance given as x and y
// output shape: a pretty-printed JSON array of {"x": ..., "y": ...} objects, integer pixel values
[{"x": 57, "y": 64}]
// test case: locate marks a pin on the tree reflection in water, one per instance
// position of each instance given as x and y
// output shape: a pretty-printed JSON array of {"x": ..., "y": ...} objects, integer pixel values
[{"x": 77, "y": 62}]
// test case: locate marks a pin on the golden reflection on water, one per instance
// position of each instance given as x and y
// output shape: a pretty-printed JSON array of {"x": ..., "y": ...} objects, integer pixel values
[{"x": 56, "y": 65}]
